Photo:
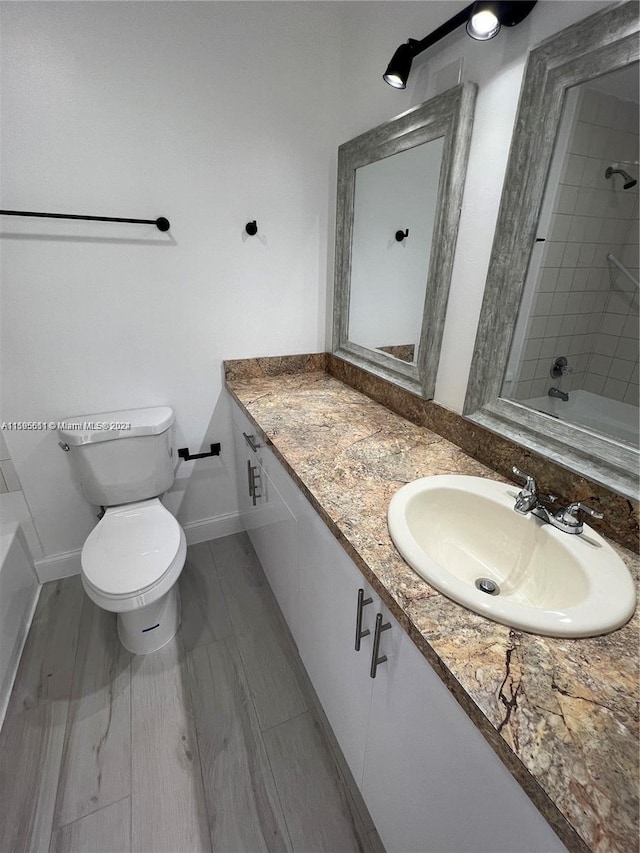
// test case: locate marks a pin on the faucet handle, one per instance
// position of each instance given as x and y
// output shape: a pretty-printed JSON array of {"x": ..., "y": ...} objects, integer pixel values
[
  {"x": 569, "y": 515},
  {"x": 530, "y": 484}
]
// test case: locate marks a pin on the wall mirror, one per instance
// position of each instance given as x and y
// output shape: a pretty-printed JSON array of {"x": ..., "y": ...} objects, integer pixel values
[
  {"x": 555, "y": 364},
  {"x": 399, "y": 194}
]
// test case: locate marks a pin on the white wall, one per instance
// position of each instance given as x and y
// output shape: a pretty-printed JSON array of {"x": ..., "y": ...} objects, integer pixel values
[
  {"x": 211, "y": 114},
  {"x": 370, "y": 34}
]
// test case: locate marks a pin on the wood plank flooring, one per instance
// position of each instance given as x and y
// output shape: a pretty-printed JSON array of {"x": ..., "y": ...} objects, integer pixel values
[
  {"x": 96, "y": 760},
  {"x": 214, "y": 743}
]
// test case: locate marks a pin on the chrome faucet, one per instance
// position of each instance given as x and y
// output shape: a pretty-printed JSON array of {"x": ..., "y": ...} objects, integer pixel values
[
  {"x": 527, "y": 499},
  {"x": 558, "y": 394},
  {"x": 565, "y": 519}
]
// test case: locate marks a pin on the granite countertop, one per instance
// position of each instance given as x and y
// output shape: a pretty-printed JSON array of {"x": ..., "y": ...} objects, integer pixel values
[{"x": 562, "y": 714}]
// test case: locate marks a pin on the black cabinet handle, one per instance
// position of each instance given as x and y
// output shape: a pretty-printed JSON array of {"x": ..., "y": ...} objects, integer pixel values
[
  {"x": 375, "y": 659},
  {"x": 362, "y": 602},
  {"x": 250, "y": 439},
  {"x": 252, "y": 476}
]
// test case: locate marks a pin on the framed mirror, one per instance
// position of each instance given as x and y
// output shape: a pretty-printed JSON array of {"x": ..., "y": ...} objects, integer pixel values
[
  {"x": 400, "y": 190},
  {"x": 555, "y": 364}
]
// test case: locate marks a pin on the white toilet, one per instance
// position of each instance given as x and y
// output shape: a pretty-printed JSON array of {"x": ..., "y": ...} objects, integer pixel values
[{"x": 133, "y": 557}]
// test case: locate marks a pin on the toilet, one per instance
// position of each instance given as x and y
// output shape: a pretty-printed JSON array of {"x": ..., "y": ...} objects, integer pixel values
[{"x": 123, "y": 462}]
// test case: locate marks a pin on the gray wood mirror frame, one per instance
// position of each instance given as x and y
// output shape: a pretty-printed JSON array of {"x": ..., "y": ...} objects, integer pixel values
[
  {"x": 604, "y": 42},
  {"x": 447, "y": 118}
]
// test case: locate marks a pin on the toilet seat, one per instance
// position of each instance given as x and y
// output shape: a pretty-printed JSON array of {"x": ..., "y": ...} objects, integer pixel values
[{"x": 133, "y": 556}]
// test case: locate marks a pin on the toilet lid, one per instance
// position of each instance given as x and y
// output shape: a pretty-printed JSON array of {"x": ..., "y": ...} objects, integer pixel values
[{"x": 131, "y": 548}]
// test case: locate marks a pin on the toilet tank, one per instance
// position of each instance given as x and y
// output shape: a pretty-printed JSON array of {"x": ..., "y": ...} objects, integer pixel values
[{"x": 121, "y": 457}]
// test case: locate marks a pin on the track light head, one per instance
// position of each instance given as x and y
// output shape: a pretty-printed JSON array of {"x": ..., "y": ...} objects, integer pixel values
[
  {"x": 398, "y": 70},
  {"x": 489, "y": 16},
  {"x": 484, "y": 21}
]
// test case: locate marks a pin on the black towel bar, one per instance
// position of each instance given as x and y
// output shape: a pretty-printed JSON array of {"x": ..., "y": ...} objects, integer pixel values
[{"x": 161, "y": 223}]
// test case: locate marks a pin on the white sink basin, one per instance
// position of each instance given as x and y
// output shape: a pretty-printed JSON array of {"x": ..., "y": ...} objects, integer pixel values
[{"x": 455, "y": 530}]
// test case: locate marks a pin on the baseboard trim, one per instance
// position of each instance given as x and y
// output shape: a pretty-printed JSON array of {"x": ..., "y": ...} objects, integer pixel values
[
  {"x": 58, "y": 566},
  {"x": 213, "y": 528},
  {"x": 65, "y": 565}
]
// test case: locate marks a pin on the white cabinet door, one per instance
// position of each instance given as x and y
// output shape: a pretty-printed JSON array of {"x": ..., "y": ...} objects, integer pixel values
[
  {"x": 329, "y": 584},
  {"x": 431, "y": 781},
  {"x": 267, "y": 518},
  {"x": 273, "y": 534},
  {"x": 243, "y": 458}
]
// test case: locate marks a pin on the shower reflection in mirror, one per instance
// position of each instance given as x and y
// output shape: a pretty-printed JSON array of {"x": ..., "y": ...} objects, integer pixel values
[{"x": 580, "y": 301}]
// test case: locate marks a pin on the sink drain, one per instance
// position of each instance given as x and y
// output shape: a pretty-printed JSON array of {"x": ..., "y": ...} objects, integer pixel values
[{"x": 488, "y": 586}]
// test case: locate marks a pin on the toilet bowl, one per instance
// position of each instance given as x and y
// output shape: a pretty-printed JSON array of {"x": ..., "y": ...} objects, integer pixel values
[
  {"x": 130, "y": 564},
  {"x": 123, "y": 462}
]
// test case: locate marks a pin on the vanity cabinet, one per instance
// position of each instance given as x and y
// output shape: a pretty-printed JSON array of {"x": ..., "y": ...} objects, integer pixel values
[{"x": 429, "y": 779}]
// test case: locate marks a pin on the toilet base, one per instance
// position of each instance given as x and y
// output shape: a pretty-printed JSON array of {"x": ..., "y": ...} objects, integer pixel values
[{"x": 149, "y": 628}]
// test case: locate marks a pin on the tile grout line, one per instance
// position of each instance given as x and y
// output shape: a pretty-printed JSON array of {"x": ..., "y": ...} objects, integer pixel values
[
  {"x": 253, "y": 704},
  {"x": 187, "y": 686},
  {"x": 260, "y": 734},
  {"x": 281, "y": 628},
  {"x": 95, "y": 811},
  {"x": 288, "y": 720},
  {"x": 195, "y": 727},
  {"x": 313, "y": 708},
  {"x": 67, "y": 722},
  {"x": 190, "y": 686},
  {"x": 316, "y": 714},
  {"x": 130, "y": 747}
]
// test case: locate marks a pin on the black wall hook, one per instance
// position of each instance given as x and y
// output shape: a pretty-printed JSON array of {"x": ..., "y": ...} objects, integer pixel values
[
  {"x": 400, "y": 235},
  {"x": 183, "y": 453},
  {"x": 251, "y": 228}
]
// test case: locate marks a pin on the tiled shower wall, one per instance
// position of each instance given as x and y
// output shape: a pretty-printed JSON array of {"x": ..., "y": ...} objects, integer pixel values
[
  {"x": 613, "y": 368},
  {"x": 584, "y": 308}
]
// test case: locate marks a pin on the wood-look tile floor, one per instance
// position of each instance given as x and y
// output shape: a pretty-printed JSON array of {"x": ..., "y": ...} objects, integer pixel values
[{"x": 214, "y": 743}]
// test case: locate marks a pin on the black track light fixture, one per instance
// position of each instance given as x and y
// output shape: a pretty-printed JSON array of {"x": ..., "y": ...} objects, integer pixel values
[{"x": 483, "y": 21}]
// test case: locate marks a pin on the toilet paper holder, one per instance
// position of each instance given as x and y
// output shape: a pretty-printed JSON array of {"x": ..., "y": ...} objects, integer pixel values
[{"x": 183, "y": 453}]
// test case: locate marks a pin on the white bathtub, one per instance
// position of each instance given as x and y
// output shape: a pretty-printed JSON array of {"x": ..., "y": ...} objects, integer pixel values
[
  {"x": 618, "y": 420},
  {"x": 19, "y": 590}
]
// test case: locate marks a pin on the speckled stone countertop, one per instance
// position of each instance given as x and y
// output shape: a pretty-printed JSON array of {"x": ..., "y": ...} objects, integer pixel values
[{"x": 562, "y": 714}]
